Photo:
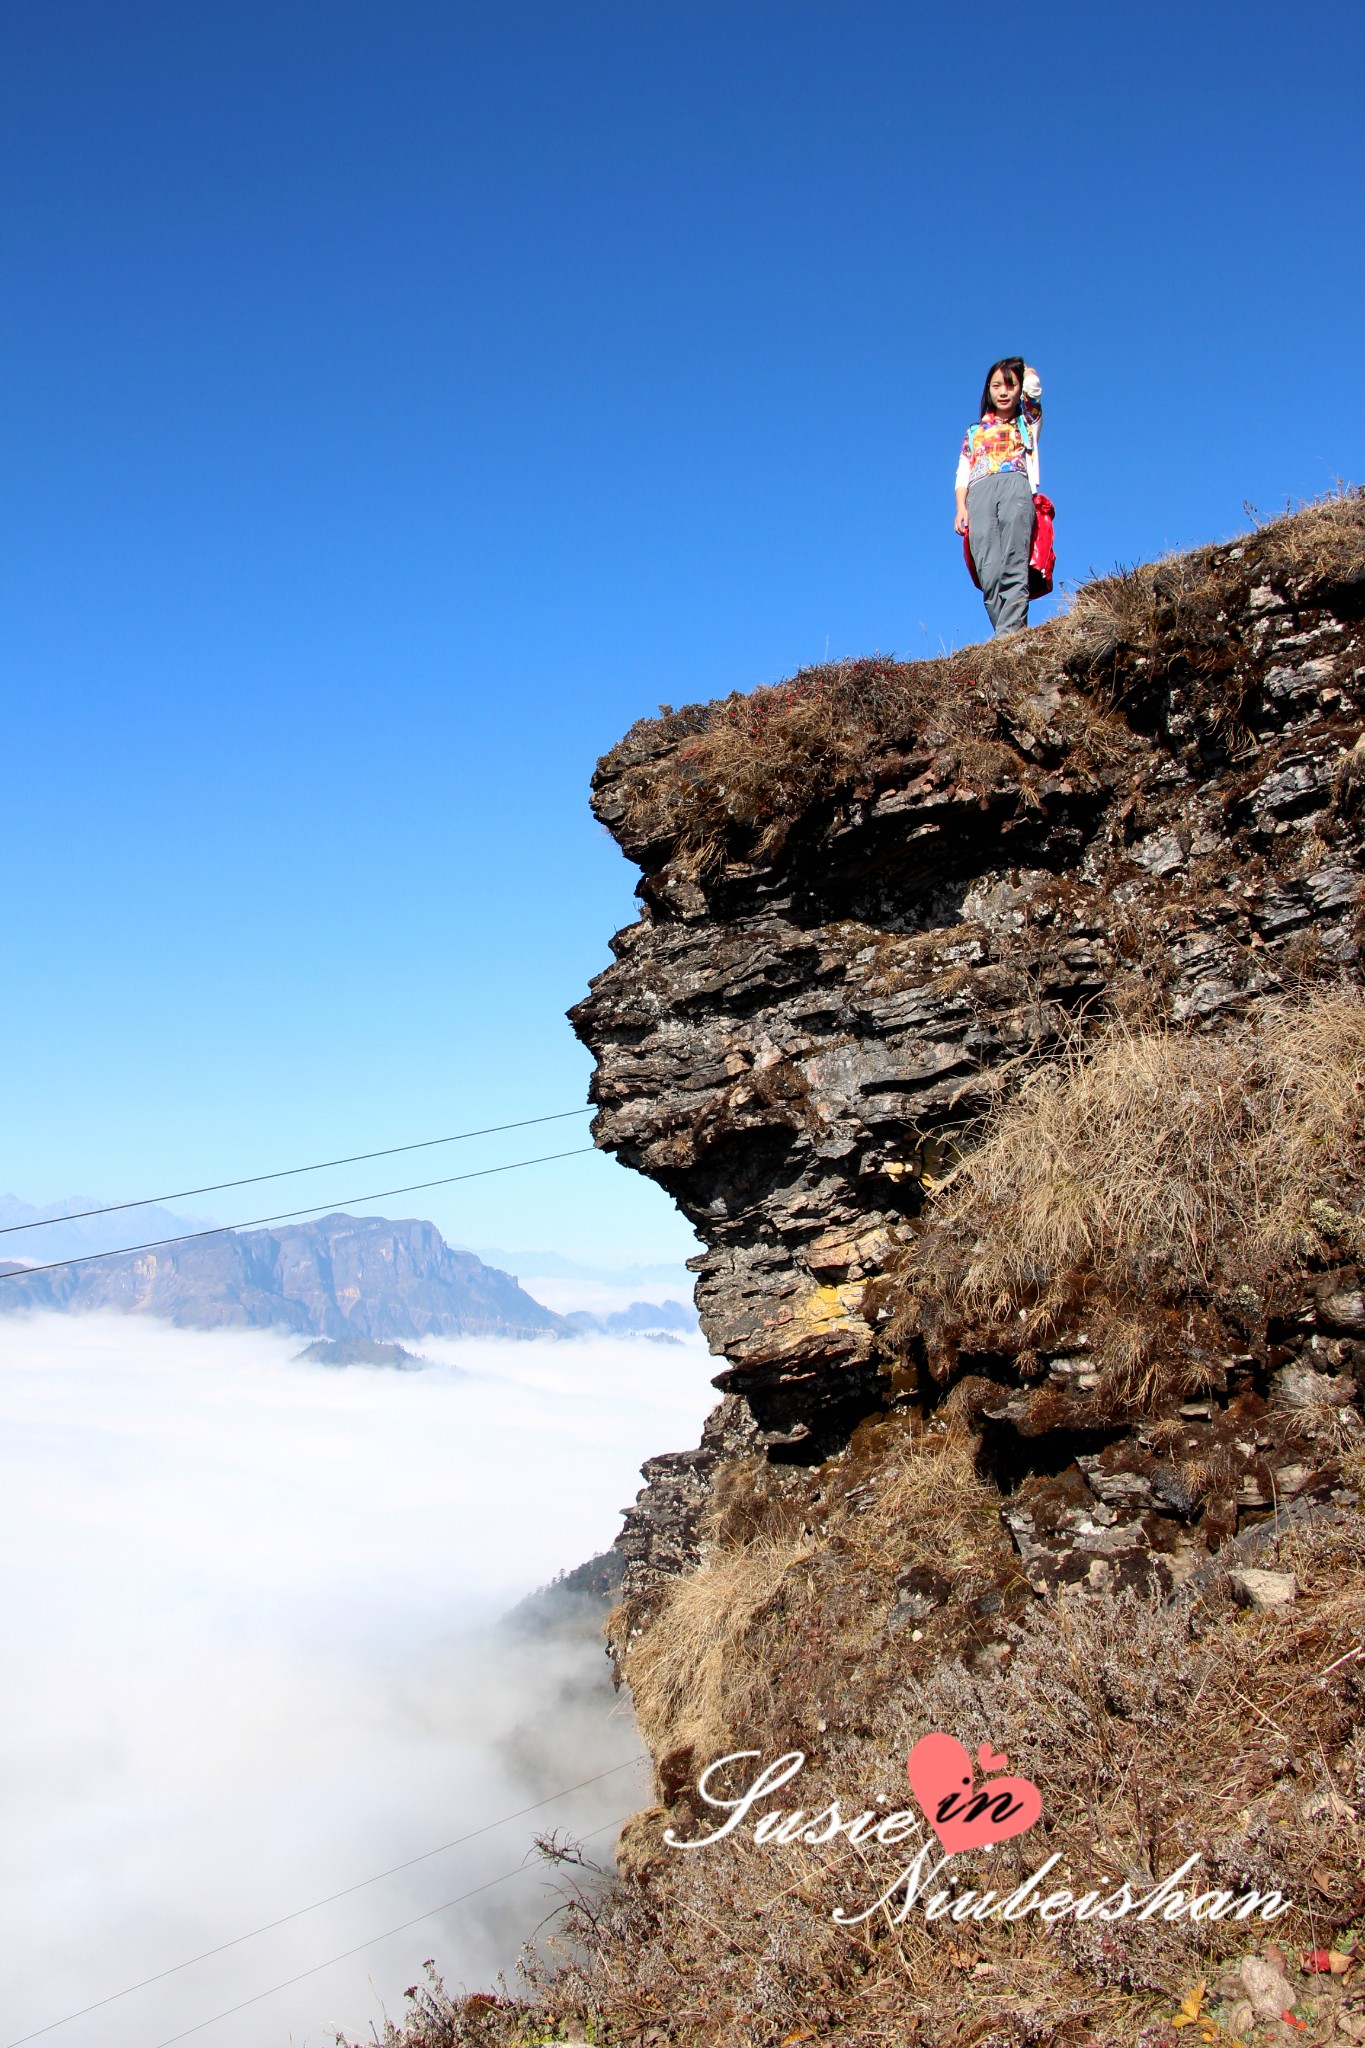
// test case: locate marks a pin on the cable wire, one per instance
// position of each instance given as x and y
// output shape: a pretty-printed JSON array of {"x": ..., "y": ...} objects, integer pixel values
[
  {"x": 287, "y": 1172},
  {"x": 269, "y": 1926},
  {"x": 157, "y": 1244},
  {"x": 361, "y": 1946}
]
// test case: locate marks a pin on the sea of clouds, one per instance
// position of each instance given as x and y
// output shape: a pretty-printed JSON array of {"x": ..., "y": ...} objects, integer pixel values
[{"x": 246, "y": 1624}]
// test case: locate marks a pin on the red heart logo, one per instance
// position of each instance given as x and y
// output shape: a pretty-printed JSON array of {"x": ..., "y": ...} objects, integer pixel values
[
  {"x": 989, "y": 1761},
  {"x": 963, "y": 1814}
]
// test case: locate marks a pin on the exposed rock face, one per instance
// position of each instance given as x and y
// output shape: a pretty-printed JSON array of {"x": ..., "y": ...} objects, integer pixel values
[
  {"x": 660, "y": 1533},
  {"x": 800, "y": 1021},
  {"x": 340, "y": 1277}
]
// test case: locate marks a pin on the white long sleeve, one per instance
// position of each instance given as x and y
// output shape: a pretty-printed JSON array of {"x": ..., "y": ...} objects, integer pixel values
[{"x": 1033, "y": 391}]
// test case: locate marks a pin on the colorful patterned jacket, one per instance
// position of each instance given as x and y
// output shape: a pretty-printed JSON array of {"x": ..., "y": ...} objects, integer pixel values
[{"x": 994, "y": 446}]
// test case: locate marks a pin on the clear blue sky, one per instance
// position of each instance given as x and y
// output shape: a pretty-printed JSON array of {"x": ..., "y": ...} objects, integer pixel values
[{"x": 398, "y": 399}]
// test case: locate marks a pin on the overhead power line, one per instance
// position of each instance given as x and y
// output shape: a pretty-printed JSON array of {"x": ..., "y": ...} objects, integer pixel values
[
  {"x": 157, "y": 1244},
  {"x": 220, "y": 1187},
  {"x": 269, "y": 1926},
  {"x": 361, "y": 1946}
]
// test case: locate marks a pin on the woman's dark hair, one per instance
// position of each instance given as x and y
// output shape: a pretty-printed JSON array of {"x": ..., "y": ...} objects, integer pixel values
[{"x": 1015, "y": 365}]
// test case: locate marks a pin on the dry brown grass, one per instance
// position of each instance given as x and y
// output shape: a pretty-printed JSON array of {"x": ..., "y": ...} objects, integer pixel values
[
  {"x": 923, "y": 1503},
  {"x": 739, "y": 1642},
  {"x": 1157, "y": 1161},
  {"x": 707, "y": 1658},
  {"x": 1321, "y": 545}
]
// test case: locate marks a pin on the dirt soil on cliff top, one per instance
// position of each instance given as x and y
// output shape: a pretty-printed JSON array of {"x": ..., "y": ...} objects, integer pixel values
[{"x": 732, "y": 776}]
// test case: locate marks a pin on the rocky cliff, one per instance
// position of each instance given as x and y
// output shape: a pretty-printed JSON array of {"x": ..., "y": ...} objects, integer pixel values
[
  {"x": 872, "y": 901},
  {"x": 998, "y": 1024}
]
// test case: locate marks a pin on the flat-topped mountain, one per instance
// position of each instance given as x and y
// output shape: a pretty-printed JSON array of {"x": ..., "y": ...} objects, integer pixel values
[{"x": 341, "y": 1277}]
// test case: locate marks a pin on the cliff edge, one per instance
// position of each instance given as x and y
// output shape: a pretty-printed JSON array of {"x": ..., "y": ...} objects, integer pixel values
[{"x": 998, "y": 1024}]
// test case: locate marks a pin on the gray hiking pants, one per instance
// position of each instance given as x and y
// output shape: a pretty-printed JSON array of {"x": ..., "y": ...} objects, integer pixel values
[{"x": 1000, "y": 529}]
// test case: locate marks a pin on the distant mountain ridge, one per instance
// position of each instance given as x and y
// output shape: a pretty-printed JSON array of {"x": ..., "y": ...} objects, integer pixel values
[
  {"x": 641, "y": 1318},
  {"x": 340, "y": 1276},
  {"x": 33, "y": 1234}
]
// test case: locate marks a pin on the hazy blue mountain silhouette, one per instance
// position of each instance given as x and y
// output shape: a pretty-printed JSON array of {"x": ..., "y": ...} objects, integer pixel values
[{"x": 341, "y": 1276}]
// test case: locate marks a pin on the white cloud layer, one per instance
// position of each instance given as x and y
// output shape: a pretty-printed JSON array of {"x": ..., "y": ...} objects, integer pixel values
[{"x": 242, "y": 1625}]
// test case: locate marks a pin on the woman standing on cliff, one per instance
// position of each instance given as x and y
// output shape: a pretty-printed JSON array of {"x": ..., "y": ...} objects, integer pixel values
[{"x": 997, "y": 475}]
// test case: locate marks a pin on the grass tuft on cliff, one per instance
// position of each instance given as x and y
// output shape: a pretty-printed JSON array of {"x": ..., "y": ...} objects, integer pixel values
[
  {"x": 1149, "y": 1165},
  {"x": 715, "y": 1655}
]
